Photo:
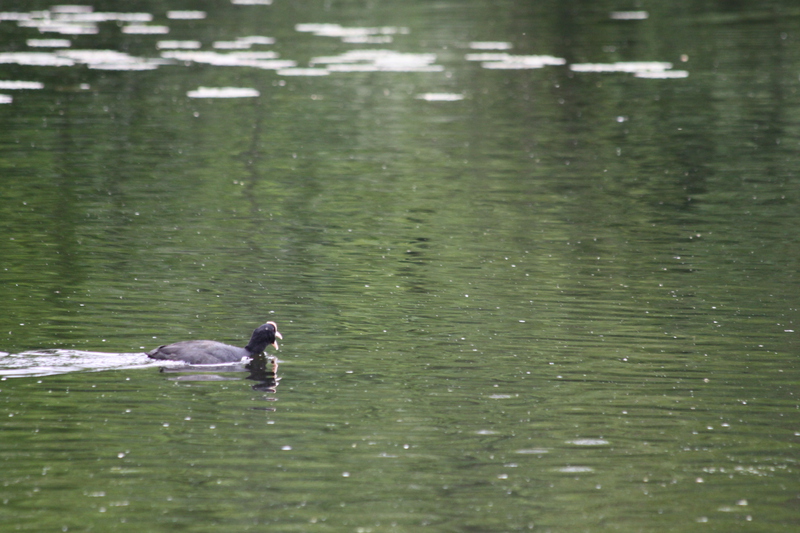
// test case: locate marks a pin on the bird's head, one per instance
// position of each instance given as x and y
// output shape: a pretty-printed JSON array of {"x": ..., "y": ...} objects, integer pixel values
[{"x": 273, "y": 327}]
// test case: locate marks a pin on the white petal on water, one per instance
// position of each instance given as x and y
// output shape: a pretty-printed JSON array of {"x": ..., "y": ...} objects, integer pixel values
[
  {"x": 234, "y": 59},
  {"x": 123, "y": 66},
  {"x": 257, "y": 39},
  {"x": 38, "y": 59},
  {"x": 71, "y": 9},
  {"x": 174, "y": 45},
  {"x": 12, "y": 85},
  {"x": 488, "y": 56},
  {"x": 12, "y": 15},
  {"x": 5, "y": 99},
  {"x": 49, "y": 43},
  {"x": 110, "y": 60},
  {"x": 186, "y": 15},
  {"x": 142, "y": 29},
  {"x": 223, "y": 92},
  {"x": 313, "y": 27},
  {"x": 303, "y": 72},
  {"x": 275, "y": 64},
  {"x": 512, "y": 62},
  {"x": 87, "y": 17},
  {"x": 629, "y": 15},
  {"x": 258, "y": 55},
  {"x": 490, "y": 45},
  {"x": 588, "y": 442},
  {"x": 64, "y": 28},
  {"x": 575, "y": 469},
  {"x": 244, "y": 43},
  {"x": 440, "y": 97},
  {"x": 367, "y": 39},
  {"x": 623, "y": 66},
  {"x": 351, "y": 34},
  {"x": 664, "y": 74},
  {"x": 533, "y": 451},
  {"x": 231, "y": 45},
  {"x": 379, "y": 61}
]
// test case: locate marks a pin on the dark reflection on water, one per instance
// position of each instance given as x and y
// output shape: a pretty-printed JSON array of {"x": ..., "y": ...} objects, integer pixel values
[
  {"x": 261, "y": 369},
  {"x": 548, "y": 298}
]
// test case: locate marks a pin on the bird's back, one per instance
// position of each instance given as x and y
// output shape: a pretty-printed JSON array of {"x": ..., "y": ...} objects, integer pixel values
[{"x": 199, "y": 352}]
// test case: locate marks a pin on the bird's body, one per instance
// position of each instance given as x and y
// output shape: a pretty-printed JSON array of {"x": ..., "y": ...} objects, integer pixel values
[{"x": 205, "y": 352}]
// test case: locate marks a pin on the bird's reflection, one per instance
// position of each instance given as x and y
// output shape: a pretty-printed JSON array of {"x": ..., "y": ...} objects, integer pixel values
[{"x": 263, "y": 369}]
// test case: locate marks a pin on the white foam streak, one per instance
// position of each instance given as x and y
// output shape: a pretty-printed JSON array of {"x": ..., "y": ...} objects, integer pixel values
[{"x": 53, "y": 362}]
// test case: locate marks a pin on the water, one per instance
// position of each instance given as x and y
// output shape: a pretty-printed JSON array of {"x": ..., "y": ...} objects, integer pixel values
[{"x": 535, "y": 265}]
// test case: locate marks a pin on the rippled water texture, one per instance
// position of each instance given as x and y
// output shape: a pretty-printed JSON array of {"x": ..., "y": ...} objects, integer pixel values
[{"x": 535, "y": 264}]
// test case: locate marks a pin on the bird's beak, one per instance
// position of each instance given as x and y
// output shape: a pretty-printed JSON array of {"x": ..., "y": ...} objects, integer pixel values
[{"x": 278, "y": 335}]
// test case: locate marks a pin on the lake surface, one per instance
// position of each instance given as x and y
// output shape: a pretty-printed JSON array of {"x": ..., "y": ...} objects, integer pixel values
[{"x": 535, "y": 264}]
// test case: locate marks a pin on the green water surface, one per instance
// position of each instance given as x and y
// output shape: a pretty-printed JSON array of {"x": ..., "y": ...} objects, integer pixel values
[{"x": 549, "y": 300}]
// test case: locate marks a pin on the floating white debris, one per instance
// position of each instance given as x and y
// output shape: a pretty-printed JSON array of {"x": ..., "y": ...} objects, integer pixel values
[
  {"x": 440, "y": 97},
  {"x": 186, "y": 15},
  {"x": 124, "y": 66},
  {"x": 622, "y": 66},
  {"x": 490, "y": 45},
  {"x": 10, "y": 15},
  {"x": 629, "y": 15},
  {"x": 90, "y": 17},
  {"x": 576, "y": 469},
  {"x": 303, "y": 72},
  {"x": 37, "y": 59},
  {"x": 251, "y": 2},
  {"x": 49, "y": 43},
  {"x": 352, "y": 34},
  {"x": 262, "y": 60},
  {"x": 243, "y": 43},
  {"x": 663, "y": 74},
  {"x": 257, "y": 39},
  {"x": 71, "y": 9},
  {"x": 248, "y": 55},
  {"x": 588, "y": 442},
  {"x": 12, "y": 85},
  {"x": 231, "y": 45},
  {"x": 5, "y": 99},
  {"x": 223, "y": 92},
  {"x": 488, "y": 56},
  {"x": 379, "y": 61},
  {"x": 143, "y": 29},
  {"x": 512, "y": 62},
  {"x": 64, "y": 28},
  {"x": 110, "y": 60},
  {"x": 178, "y": 45},
  {"x": 367, "y": 39}
]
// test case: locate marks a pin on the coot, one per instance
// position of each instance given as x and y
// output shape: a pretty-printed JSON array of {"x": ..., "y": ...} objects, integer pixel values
[{"x": 212, "y": 352}]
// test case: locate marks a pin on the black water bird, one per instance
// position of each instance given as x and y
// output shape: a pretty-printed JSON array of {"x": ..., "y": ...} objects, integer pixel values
[{"x": 213, "y": 352}]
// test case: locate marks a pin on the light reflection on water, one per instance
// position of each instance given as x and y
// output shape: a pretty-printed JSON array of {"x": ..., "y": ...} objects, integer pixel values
[{"x": 81, "y": 20}]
